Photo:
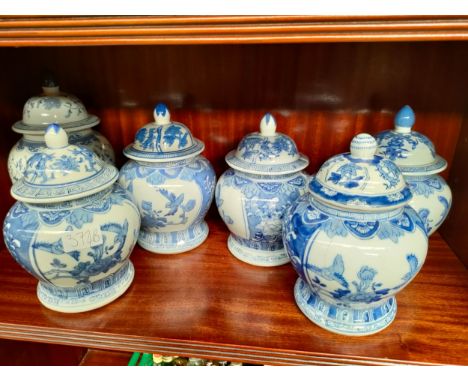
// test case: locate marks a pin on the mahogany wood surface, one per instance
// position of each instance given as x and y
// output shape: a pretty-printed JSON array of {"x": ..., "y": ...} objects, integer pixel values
[
  {"x": 454, "y": 228},
  {"x": 133, "y": 30},
  {"x": 15, "y": 353},
  {"x": 207, "y": 303},
  {"x": 94, "y": 357}
]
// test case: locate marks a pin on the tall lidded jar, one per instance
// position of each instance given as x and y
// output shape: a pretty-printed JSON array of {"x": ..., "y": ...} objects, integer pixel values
[
  {"x": 354, "y": 241},
  {"x": 73, "y": 227},
  {"x": 264, "y": 179},
  {"x": 54, "y": 106},
  {"x": 172, "y": 184},
  {"x": 416, "y": 157}
]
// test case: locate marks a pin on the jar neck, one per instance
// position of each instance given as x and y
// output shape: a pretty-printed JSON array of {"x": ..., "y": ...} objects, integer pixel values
[
  {"x": 267, "y": 176},
  {"x": 75, "y": 203},
  {"x": 173, "y": 163},
  {"x": 355, "y": 215},
  {"x": 39, "y": 138},
  {"x": 418, "y": 178}
]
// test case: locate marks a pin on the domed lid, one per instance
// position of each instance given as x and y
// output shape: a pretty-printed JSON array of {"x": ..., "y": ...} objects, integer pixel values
[
  {"x": 62, "y": 172},
  {"x": 267, "y": 152},
  {"x": 163, "y": 140},
  {"x": 54, "y": 106},
  {"x": 360, "y": 180},
  {"x": 413, "y": 152}
]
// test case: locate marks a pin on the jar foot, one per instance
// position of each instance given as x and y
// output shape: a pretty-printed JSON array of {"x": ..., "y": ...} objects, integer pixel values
[
  {"x": 254, "y": 256},
  {"x": 89, "y": 297},
  {"x": 343, "y": 320},
  {"x": 174, "y": 242}
]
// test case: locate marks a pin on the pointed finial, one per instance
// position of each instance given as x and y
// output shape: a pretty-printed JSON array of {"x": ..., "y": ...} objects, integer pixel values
[
  {"x": 404, "y": 119},
  {"x": 161, "y": 114},
  {"x": 363, "y": 146},
  {"x": 268, "y": 126},
  {"x": 56, "y": 137}
]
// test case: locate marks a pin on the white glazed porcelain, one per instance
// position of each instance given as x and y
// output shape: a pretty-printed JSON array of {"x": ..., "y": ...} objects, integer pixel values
[
  {"x": 354, "y": 241},
  {"x": 264, "y": 179},
  {"x": 54, "y": 106},
  {"x": 172, "y": 184},
  {"x": 415, "y": 154},
  {"x": 72, "y": 228}
]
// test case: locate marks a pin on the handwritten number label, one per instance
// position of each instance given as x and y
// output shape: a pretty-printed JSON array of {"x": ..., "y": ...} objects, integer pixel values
[{"x": 76, "y": 240}]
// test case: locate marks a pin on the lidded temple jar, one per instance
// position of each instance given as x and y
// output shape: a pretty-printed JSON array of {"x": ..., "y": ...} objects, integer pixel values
[
  {"x": 354, "y": 241},
  {"x": 265, "y": 178},
  {"x": 416, "y": 157},
  {"x": 73, "y": 227},
  {"x": 172, "y": 184},
  {"x": 54, "y": 106}
]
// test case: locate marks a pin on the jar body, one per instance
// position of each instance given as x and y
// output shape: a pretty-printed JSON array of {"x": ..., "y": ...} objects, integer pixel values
[
  {"x": 432, "y": 199},
  {"x": 252, "y": 207},
  {"x": 78, "y": 250},
  {"x": 28, "y": 145},
  {"x": 173, "y": 199},
  {"x": 352, "y": 264}
]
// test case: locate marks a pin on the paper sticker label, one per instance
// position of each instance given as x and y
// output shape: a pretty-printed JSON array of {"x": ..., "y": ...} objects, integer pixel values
[{"x": 77, "y": 240}]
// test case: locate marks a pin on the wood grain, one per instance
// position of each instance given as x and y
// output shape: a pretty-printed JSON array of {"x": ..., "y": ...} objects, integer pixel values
[
  {"x": 454, "y": 228},
  {"x": 125, "y": 30},
  {"x": 95, "y": 357},
  {"x": 206, "y": 302}
]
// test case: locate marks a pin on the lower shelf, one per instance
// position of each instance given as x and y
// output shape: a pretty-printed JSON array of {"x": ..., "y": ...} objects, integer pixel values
[{"x": 205, "y": 303}]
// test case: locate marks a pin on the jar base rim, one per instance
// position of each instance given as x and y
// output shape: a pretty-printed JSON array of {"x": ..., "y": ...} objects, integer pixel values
[
  {"x": 258, "y": 257},
  {"x": 89, "y": 301},
  {"x": 171, "y": 243},
  {"x": 342, "y": 320}
]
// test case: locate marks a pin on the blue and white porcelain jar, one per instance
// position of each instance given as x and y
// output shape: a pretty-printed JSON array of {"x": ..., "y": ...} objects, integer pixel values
[
  {"x": 416, "y": 157},
  {"x": 73, "y": 227},
  {"x": 354, "y": 241},
  {"x": 54, "y": 106},
  {"x": 172, "y": 184},
  {"x": 265, "y": 178}
]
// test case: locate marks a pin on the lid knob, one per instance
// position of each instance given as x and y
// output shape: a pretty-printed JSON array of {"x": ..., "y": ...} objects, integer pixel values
[
  {"x": 49, "y": 85},
  {"x": 404, "y": 119},
  {"x": 268, "y": 126},
  {"x": 161, "y": 114},
  {"x": 363, "y": 146},
  {"x": 56, "y": 137}
]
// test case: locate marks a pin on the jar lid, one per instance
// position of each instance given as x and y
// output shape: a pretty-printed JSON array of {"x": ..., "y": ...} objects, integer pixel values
[
  {"x": 267, "y": 152},
  {"x": 163, "y": 140},
  {"x": 413, "y": 152},
  {"x": 54, "y": 106},
  {"x": 360, "y": 180},
  {"x": 61, "y": 172}
]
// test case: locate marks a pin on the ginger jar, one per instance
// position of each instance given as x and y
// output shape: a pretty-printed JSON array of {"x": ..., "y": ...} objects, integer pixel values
[
  {"x": 354, "y": 241},
  {"x": 172, "y": 184},
  {"x": 416, "y": 157},
  {"x": 54, "y": 106},
  {"x": 265, "y": 178},
  {"x": 73, "y": 227}
]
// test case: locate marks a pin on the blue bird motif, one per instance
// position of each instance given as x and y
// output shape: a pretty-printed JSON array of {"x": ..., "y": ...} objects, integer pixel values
[{"x": 333, "y": 272}]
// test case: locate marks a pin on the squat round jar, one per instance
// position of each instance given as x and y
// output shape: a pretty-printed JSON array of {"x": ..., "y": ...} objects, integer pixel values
[
  {"x": 172, "y": 184},
  {"x": 416, "y": 157},
  {"x": 54, "y": 106},
  {"x": 264, "y": 179},
  {"x": 354, "y": 241},
  {"x": 73, "y": 227}
]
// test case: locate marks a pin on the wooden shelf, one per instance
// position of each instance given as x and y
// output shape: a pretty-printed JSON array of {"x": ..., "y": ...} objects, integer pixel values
[
  {"x": 143, "y": 30},
  {"x": 105, "y": 358},
  {"x": 206, "y": 303}
]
